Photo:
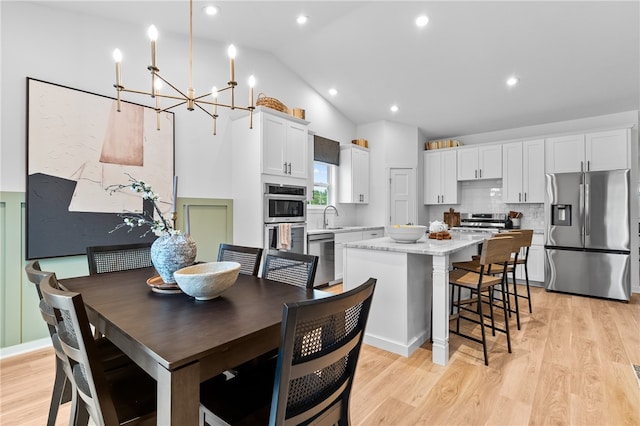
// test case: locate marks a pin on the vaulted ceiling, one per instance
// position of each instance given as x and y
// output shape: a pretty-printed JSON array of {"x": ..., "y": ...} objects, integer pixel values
[{"x": 574, "y": 59}]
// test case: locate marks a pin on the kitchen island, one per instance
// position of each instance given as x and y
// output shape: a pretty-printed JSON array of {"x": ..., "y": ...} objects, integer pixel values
[{"x": 410, "y": 277}]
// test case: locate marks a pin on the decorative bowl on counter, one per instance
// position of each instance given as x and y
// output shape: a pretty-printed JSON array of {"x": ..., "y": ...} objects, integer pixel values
[
  {"x": 206, "y": 281},
  {"x": 406, "y": 233}
]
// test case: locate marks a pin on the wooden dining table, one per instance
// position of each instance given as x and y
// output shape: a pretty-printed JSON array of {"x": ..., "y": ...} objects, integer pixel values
[{"x": 180, "y": 341}]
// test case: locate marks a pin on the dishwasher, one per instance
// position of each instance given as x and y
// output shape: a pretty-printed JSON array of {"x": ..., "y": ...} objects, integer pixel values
[{"x": 321, "y": 245}]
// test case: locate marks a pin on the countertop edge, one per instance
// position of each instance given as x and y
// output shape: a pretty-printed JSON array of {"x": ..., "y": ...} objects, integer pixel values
[
  {"x": 343, "y": 229},
  {"x": 422, "y": 246}
]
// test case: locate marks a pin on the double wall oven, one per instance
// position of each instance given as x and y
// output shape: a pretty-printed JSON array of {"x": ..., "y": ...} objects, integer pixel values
[{"x": 285, "y": 204}]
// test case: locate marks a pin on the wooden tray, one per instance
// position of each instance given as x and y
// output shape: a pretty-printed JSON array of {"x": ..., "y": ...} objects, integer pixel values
[{"x": 159, "y": 286}]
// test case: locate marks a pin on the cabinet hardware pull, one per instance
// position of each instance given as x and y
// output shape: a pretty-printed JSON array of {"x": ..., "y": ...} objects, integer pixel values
[
  {"x": 525, "y": 197},
  {"x": 480, "y": 173},
  {"x": 476, "y": 172},
  {"x": 438, "y": 199},
  {"x": 289, "y": 168},
  {"x": 588, "y": 165},
  {"x": 442, "y": 198},
  {"x": 582, "y": 166},
  {"x": 285, "y": 168},
  {"x": 519, "y": 196}
]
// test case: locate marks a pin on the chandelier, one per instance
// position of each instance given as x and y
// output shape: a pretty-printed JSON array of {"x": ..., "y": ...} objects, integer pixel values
[{"x": 207, "y": 102}]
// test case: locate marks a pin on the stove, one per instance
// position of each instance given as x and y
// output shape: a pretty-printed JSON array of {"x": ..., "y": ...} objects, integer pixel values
[{"x": 482, "y": 222}]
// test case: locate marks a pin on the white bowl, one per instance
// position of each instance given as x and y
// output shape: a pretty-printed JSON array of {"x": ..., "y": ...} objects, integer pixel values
[
  {"x": 206, "y": 281},
  {"x": 406, "y": 233}
]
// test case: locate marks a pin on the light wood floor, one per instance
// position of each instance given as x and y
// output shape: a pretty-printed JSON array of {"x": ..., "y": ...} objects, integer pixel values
[{"x": 571, "y": 365}]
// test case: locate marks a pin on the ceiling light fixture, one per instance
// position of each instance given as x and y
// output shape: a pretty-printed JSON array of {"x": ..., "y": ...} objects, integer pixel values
[
  {"x": 394, "y": 108},
  {"x": 422, "y": 20},
  {"x": 333, "y": 92},
  {"x": 512, "y": 81},
  {"x": 211, "y": 10},
  {"x": 190, "y": 98},
  {"x": 302, "y": 19}
]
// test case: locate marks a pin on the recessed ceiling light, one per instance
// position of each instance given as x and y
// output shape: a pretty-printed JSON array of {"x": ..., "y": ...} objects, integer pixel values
[
  {"x": 333, "y": 92},
  {"x": 422, "y": 20},
  {"x": 302, "y": 19},
  {"x": 211, "y": 10},
  {"x": 512, "y": 81},
  {"x": 394, "y": 108}
]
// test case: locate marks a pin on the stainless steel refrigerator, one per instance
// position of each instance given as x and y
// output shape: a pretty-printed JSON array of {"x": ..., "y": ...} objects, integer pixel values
[{"x": 588, "y": 234}]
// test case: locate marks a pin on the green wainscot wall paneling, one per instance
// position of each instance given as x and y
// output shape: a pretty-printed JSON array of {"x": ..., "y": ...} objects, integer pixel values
[
  {"x": 210, "y": 223},
  {"x": 20, "y": 321}
]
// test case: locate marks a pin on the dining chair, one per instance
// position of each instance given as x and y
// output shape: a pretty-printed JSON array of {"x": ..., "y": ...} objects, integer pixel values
[
  {"x": 112, "y": 357},
  {"x": 118, "y": 257},
  {"x": 111, "y": 397},
  {"x": 61, "y": 393},
  {"x": 290, "y": 268},
  {"x": 495, "y": 251},
  {"x": 311, "y": 379},
  {"x": 248, "y": 257}
]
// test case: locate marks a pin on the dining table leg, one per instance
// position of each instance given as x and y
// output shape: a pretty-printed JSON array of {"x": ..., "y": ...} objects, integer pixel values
[
  {"x": 179, "y": 395},
  {"x": 440, "y": 310}
]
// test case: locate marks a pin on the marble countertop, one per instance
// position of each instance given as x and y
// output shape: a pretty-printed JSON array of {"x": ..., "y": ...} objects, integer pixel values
[
  {"x": 422, "y": 246},
  {"x": 338, "y": 230}
]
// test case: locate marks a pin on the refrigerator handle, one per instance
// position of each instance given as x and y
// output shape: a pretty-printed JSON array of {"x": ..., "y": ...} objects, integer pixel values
[
  {"x": 582, "y": 213},
  {"x": 587, "y": 218}
]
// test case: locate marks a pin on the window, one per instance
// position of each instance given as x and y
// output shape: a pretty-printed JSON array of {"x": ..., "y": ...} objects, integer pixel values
[{"x": 322, "y": 184}]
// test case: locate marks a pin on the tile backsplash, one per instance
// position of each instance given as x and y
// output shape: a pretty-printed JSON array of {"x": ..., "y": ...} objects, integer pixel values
[{"x": 485, "y": 196}]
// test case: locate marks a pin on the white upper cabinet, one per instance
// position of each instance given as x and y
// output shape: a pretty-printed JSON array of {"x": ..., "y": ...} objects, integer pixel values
[
  {"x": 482, "y": 162},
  {"x": 284, "y": 147},
  {"x": 607, "y": 150},
  {"x": 523, "y": 172},
  {"x": 353, "y": 183},
  {"x": 591, "y": 152},
  {"x": 440, "y": 180}
]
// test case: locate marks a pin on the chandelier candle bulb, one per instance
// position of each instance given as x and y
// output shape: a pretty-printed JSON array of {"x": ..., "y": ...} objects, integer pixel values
[
  {"x": 252, "y": 83},
  {"x": 232, "y": 56}
]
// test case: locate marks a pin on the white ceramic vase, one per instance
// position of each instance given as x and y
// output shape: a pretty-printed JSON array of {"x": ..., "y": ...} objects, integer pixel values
[{"x": 172, "y": 252}]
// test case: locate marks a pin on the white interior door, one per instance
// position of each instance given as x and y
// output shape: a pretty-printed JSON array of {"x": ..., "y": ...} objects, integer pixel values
[{"x": 402, "y": 196}]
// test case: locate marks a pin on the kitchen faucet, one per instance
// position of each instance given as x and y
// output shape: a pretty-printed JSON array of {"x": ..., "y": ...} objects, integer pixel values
[{"x": 324, "y": 216}]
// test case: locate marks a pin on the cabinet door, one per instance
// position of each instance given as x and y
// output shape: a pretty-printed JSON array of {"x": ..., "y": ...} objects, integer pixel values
[
  {"x": 361, "y": 180},
  {"x": 468, "y": 164},
  {"x": 533, "y": 171},
  {"x": 607, "y": 150},
  {"x": 432, "y": 178},
  {"x": 490, "y": 162},
  {"x": 512, "y": 172},
  {"x": 296, "y": 150},
  {"x": 564, "y": 154},
  {"x": 448, "y": 178},
  {"x": 274, "y": 136}
]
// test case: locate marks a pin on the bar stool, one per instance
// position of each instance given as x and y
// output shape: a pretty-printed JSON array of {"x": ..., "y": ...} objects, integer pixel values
[
  {"x": 527, "y": 238},
  {"x": 495, "y": 251},
  {"x": 496, "y": 269}
]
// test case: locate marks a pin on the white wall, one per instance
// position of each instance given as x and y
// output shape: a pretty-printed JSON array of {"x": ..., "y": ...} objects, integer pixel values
[
  {"x": 75, "y": 50},
  {"x": 390, "y": 145}
]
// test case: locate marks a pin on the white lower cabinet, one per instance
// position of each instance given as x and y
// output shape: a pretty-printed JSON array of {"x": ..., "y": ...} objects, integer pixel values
[
  {"x": 535, "y": 264},
  {"x": 345, "y": 237}
]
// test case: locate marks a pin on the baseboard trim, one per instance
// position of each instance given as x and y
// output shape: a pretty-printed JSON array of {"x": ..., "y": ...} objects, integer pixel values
[{"x": 23, "y": 348}]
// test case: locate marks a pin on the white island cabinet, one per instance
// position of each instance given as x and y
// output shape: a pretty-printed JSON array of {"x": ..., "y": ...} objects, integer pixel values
[{"x": 409, "y": 277}]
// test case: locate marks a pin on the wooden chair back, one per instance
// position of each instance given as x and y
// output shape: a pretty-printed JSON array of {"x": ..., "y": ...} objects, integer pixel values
[
  {"x": 290, "y": 268},
  {"x": 78, "y": 344},
  {"x": 516, "y": 242},
  {"x": 496, "y": 250},
  {"x": 320, "y": 343},
  {"x": 118, "y": 257},
  {"x": 248, "y": 257}
]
